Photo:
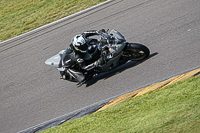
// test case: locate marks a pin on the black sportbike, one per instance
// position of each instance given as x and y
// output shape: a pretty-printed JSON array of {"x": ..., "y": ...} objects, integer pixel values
[{"x": 111, "y": 46}]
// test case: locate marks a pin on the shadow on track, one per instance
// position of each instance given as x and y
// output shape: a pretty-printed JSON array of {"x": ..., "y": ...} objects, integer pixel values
[{"x": 117, "y": 70}]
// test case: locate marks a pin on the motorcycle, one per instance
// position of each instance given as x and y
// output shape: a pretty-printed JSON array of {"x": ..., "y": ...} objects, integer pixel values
[{"x": 112, "y": 47}]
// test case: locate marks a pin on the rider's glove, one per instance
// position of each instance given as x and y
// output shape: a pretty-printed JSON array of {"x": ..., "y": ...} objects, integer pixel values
[{"x": 102, "y": 30}]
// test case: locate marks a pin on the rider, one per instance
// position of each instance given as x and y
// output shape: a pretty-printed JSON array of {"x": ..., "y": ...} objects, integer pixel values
[{"x": 79, "y": 51}]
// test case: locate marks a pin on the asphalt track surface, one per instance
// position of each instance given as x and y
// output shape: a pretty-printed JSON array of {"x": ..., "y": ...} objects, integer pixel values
[{"x": 32, "y": 93}]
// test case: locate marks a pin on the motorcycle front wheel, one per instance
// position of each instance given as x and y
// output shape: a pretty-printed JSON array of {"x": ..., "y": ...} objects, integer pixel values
[{"x": 136, "y": 52}]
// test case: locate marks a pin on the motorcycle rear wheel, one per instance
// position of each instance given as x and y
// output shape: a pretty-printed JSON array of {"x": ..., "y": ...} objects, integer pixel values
[{"x": 136, "y": 52}]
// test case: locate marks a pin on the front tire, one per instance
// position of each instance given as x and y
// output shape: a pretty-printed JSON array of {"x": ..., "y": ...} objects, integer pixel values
[
  {"x": 67, "y": 76},
  {"x": 136, "y": 52}
]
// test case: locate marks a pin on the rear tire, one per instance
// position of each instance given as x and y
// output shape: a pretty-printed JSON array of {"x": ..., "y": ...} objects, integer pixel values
[{"x": 136, "y": 52}]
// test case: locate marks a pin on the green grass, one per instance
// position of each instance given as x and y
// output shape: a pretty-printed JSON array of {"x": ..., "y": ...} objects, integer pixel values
[
  {"x": 175, "y": 108},
  {"x": 20, "y": 16}
]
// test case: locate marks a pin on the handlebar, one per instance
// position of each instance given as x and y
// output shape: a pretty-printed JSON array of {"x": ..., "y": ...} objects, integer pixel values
[
  {"x": 105, "y": 37},
  {"x": 108, "y": 39}
]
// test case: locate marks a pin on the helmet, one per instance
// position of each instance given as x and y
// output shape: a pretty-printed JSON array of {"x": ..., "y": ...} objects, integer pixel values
[{"x": 79, "y": 43}]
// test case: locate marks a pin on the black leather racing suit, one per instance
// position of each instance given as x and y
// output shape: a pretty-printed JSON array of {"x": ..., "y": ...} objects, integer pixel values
[{"x": 71, "y": 56}]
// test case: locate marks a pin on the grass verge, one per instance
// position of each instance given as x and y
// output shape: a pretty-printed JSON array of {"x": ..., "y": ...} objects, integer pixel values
[
  {"x": 20, "y": 16},
  {"x": 175, "y": 108}
]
